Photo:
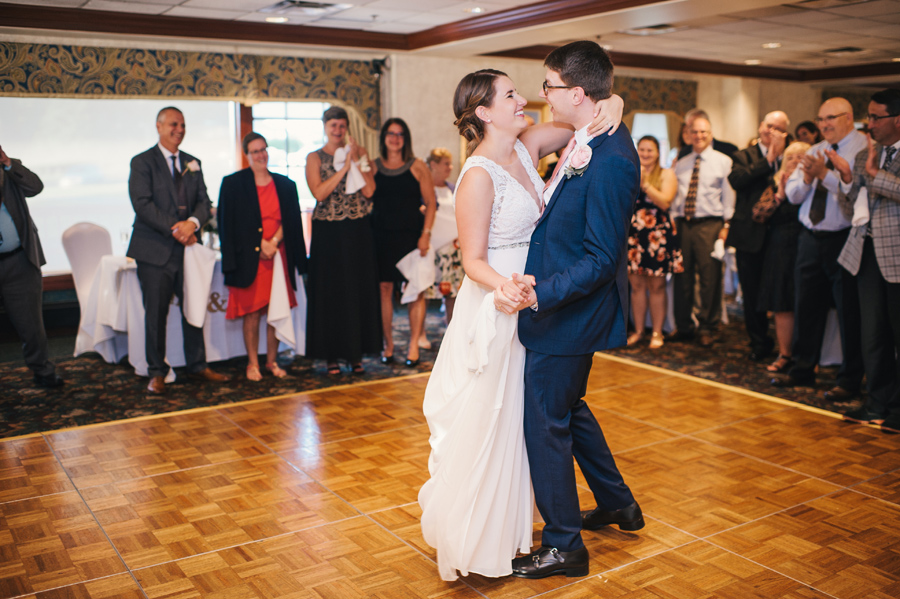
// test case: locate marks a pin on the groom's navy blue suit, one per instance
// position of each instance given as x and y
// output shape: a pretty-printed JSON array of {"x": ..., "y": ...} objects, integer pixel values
[{"x": 577, "y": 255}]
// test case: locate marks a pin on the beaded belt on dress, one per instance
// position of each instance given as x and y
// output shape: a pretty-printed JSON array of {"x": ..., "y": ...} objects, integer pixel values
[{"x": 509, "y": 246}]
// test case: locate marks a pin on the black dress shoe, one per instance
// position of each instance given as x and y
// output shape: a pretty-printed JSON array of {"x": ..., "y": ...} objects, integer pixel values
[
  {"x": 758, "y": 355},
  {"x": 863, "y": 415},
  {"x": 49, "y": 381},
  {"x": 891, "y": 424},
  {"x": 789, "y": 381},
  {"x": 411, "y": 363},
  {"x": 548, "y": 561},
  {"x": 627, "y": 518},
  {"x": 838, "y": 393}
]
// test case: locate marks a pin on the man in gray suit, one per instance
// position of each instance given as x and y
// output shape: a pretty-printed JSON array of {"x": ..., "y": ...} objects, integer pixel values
[
  {"x": 872, "y": 253},
  {"x": 170, "y": 204},
  {"x": 21, "y": 258}
]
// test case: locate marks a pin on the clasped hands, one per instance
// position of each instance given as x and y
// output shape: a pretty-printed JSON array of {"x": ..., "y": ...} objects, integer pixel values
[
  {"x": 515, "y": 293},
  {"x": 184, "y": 232}
]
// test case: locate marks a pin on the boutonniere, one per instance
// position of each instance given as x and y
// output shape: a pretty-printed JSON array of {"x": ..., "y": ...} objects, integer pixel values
[
  {"x": 578, "y": 161},
  {"x": 193, "y": 166}
]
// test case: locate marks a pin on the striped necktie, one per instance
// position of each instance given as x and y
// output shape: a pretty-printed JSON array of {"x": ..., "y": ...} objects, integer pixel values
[{"x": 690, "y": 202}]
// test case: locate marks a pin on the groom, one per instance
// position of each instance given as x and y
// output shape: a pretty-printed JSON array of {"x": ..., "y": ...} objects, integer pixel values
[{"x": 578, "y": 306}]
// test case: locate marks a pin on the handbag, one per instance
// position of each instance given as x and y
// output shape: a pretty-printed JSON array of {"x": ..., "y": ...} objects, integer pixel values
[{"x": 765, "y": 206}]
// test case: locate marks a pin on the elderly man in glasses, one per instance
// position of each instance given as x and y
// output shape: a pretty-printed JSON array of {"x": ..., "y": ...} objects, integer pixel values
[
  {"x": 872, "y": 252},
  {"x": 819, "y": 279}
]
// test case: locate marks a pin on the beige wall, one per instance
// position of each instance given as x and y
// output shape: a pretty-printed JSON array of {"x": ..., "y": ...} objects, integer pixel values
[{"x": 420, "y": 90}]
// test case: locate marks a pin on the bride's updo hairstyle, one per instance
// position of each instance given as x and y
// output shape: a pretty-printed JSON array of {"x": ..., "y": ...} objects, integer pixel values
[{"x": 476, "y": 89}]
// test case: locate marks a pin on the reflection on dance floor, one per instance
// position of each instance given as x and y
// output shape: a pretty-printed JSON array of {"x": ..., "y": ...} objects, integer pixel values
[{"x": 314, "y": 495}]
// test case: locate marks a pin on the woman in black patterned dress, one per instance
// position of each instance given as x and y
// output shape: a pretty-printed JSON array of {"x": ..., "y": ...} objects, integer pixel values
[
  {"x": 653, "y": 250},
  {"x": 343, "y": 319}
]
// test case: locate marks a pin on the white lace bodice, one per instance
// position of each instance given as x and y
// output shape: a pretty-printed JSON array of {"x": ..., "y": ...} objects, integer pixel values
[{"x": 514, "y": 213}]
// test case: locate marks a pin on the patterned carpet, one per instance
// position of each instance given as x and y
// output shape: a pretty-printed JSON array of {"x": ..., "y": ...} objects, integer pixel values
[{"x": 99, "y": 392}]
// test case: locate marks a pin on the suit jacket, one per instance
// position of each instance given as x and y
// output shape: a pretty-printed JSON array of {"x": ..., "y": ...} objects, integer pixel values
[
  {"x": 152, "y": 191},
  {"x": 750, "y": 175},
  {"x": 16, "y": 184},
  {"x": 577, "y": 255},
  {"x": 240, "y": 227},
  {"x": 884, "y": 215},
  {"x": 719, "y": 146}
]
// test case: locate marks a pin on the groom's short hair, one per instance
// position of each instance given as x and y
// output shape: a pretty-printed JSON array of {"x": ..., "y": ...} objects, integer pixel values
[{"x": 583, "y": 64}]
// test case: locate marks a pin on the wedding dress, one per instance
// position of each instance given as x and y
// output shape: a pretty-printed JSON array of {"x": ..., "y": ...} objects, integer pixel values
[{"x": 477, "y": 507}]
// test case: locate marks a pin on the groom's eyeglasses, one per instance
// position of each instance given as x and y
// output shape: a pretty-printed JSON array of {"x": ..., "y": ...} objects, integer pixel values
[{"x": 546, "y": 87}]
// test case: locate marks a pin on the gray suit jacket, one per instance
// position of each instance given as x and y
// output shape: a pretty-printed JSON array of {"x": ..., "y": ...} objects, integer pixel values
[
  {"x": 153, "y": 196},
  {"x": 16, "y": 184},
  {"x": 884, "y": 216}
]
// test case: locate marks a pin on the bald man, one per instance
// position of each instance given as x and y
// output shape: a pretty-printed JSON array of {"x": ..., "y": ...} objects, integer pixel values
[
  {"x": 753, "y": 171},
  {"x": 818, "y": 278}
]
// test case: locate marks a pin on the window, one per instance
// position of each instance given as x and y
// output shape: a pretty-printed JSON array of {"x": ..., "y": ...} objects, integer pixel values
[
  {"x": 292, "y": 130},
  {"x": 652, "y": 123},
  {"x": 82, "y": 149}
]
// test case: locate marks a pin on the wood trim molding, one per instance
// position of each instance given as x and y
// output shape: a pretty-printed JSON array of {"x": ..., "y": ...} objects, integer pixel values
[
  {"x": 539, "y": 13},
  {"x": 70, "y": 19},
  {"x": 59, "y": 282},
  {"x": 688, "y": 65}
]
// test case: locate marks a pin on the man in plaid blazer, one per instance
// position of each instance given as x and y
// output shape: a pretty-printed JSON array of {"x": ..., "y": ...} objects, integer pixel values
[{"x": 872, "y": 253}]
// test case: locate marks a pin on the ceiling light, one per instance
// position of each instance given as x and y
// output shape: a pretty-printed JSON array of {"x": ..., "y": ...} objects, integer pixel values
[
  {"x": 276, "y": 19},
  {"x": 652, "y": 30},
  {"x": 771, "y": 45},
  {"x": 476, "y": 10},
  {"x": 752, "y": 62}
]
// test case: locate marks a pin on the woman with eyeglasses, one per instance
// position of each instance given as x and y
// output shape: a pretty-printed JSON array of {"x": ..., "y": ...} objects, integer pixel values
[
  {"x": 402, "y": 185},
  {"x": 343, "y": 315},
  {"x": 258, "y": 216}
]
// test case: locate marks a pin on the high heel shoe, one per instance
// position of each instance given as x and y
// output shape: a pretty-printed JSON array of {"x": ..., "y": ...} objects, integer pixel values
[
  {"x": 423, "y": 343},
  {"x": 656, "y": 340},
  {"x": 387, "y": 359},
  {"x": 253, "y": 374},
  {"x": 634, "y": 338},
  {"x": 411, "y": 363},
  {"x": 781, "y": 364},
  {"x": 276, "y": 370}
]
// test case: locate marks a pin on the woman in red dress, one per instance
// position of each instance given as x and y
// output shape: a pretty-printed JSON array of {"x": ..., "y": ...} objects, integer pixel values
[{"x": 259, "y": 216}]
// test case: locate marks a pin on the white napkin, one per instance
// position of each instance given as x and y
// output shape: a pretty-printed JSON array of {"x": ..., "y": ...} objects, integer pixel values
[
  {"x": 279, "y": 313},
  {"x": 443, "y": 230},
  {"x": 718, "y": 250},
  {"x": 419, "y": 272},
  {"x": 199, "y": 264},
  {"x": 861, "y": 208},
  {"x": 355, "y": 180}
]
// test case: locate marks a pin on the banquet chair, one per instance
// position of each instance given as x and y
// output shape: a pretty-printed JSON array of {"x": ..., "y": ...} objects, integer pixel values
[{"x": 85, "y": 245}]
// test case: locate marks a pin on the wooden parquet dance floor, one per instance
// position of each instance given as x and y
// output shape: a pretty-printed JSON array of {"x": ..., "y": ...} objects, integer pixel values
[{"x": 314, "y": 496}]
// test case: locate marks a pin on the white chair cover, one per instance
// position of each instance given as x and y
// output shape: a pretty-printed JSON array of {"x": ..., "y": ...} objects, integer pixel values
[{"x": 85, "y": 244}]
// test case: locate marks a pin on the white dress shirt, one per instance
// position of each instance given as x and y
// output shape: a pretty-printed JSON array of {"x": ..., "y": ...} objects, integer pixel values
[
  {"x": 715, "y": 196},
  {"x": 581, "y": 139},
  {"x": 798, "y": 192},
  {"x": 168, "y": 156}
]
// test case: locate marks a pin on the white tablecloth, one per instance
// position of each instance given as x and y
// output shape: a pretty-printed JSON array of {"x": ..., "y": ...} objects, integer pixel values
[{"x": 112, "y": 322}]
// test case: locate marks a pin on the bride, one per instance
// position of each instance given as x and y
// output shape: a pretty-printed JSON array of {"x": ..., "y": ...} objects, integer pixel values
[{"x": 477, "y": 507}]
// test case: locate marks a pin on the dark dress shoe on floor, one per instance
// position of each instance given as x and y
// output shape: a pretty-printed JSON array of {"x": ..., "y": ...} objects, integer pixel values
[
  {"x": 208, "y": 374},
  {"x": 864, "y": 415},
  {"x": 627, "y": 518},
  {"x": 891, "y": 424},
  {"x": 838, "y": 393},
  {"x": 49, "y": 381},
  {"x": 681, "y": 336},
  {"x": 157, "y": 385},
  {"x": 387, "y": 359},
  {"x": 548, "y": 561},
  {"x": 411, "y": 363},
  {"x": 758, "y": 355},
  {"x": 786, "y": 382}
]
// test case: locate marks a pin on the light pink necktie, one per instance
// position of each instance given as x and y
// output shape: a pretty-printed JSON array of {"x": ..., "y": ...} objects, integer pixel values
[{"x": 562, "y": 161}]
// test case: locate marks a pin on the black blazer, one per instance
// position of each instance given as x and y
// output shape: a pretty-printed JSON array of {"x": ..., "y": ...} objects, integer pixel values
[
  {"x": 153, "y": 195},
  {"x": 16, "y": 184},
  {"x": 750, "y": 175},
  {"x": 718, "y": 145},
  {"x": 240, "y": 227}
]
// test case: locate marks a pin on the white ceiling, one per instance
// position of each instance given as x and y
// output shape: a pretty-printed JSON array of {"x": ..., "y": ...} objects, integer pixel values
[{"x": 716, "y": 30}]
